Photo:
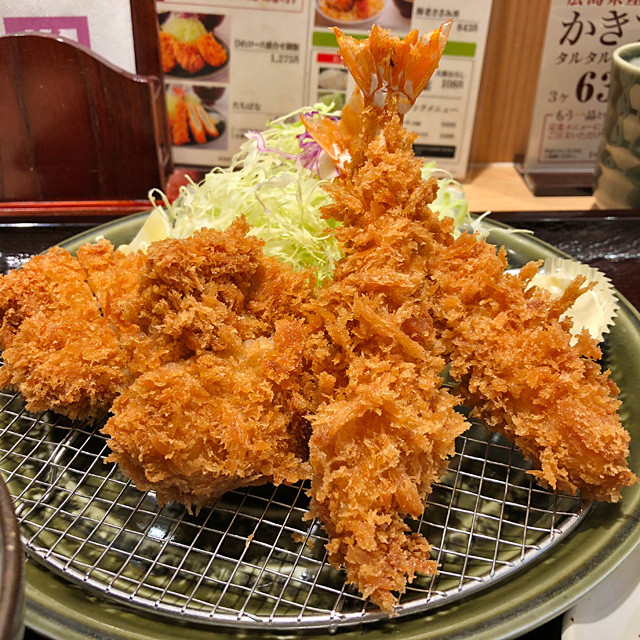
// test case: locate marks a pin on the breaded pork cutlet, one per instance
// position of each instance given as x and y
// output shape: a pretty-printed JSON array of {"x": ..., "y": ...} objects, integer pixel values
[
  {"x": 57, "y": 348},
  {"x": 201, "y": 341},
  {"x": 225, "y": 407},
  {"x": 188, "y": 56},
  {"x": 194, "y": 429},
  {"x": 211, "y": 291},
  {"x": 187, "y": 297}
]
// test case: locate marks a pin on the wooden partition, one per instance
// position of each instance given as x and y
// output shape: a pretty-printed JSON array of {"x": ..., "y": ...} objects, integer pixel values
[
  {"x": 76, "y": 128},
  {"x": 509, "y": 80},
  {"x": 79, "y": 134}
]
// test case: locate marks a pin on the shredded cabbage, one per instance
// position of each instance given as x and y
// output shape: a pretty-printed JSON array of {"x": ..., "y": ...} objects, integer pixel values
[
  {"x": 450, "y": 201},
  {"x": 275, "y": 180},
  {"x": 184, "y": 28}
]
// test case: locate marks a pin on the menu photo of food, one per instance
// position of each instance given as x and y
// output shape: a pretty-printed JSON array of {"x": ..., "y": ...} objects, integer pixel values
[
  {"x": 361, "y": 14},
  {"x": 350, "y": 11},
  {"x": 197, "y": 115},
  {"x": 194, "y": 45},
  {"x": 332, "y": 86}
]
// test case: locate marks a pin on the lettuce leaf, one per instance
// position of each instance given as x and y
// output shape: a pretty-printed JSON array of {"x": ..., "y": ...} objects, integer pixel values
[{"x": 275, "y": 181}]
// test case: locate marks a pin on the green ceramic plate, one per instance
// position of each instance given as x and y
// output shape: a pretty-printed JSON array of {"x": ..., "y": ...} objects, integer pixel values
[{"x": 537, "y": 592}]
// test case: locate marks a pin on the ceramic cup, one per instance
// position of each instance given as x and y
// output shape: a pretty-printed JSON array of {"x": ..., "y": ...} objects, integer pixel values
[{"x": 617, "y": 174}]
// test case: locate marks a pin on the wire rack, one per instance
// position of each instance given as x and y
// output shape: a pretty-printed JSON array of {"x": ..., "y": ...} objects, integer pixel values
[{"x": 252, "y": 559}]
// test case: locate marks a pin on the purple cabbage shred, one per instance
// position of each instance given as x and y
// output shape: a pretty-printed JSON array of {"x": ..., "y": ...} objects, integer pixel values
[{"x": 309, "y": 156}]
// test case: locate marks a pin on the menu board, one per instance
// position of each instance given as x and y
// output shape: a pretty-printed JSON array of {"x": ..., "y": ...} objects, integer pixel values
[
  {"x": 103, "y": 27},
  {"x": 573, "y": 87},
  {"x": 233, "y": 65}
]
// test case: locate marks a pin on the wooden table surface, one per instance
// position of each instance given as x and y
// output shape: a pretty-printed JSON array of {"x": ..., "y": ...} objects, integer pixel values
[{"x": 499, "y": 187}]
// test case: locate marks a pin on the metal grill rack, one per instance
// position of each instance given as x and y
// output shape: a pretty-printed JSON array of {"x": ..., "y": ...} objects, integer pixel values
[{"x": 252, "y": 559}]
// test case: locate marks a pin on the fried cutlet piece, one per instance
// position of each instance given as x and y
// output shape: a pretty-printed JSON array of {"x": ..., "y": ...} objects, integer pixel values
[
  {"x": 226, "y": 407},
  {"x": 518, "y": 368},
  {"x": 207, "y": 121},
  {"x": 57, "y": 348},
  {"x": 188, "y": 56},
  {"x": 195, "y": 429},
  {"x": 180, "y": 124},
  {"x": 167, "y": 55},
  {"x": 195, "y": 124},
  {"x": 113, "y": 278},
  {"x": 192, "y": 292},
  {"x": 211, "y": 50}
]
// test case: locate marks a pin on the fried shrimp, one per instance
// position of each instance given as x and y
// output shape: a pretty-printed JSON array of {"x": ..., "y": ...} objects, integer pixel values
[
  {"x": 385, "y": 433},
  {"x": 410, "y": 297},
  {"x": 518, "y": 367}
]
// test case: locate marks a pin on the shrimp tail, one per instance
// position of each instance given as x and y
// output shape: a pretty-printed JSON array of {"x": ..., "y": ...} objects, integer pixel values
[
  {"x": 390, "y": 72},
  {"x": 384, "y": 65},
  {"x": 334, "y": 136}
]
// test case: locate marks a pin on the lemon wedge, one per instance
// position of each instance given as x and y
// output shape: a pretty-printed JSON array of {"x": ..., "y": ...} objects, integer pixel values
[{"x": 156, "y": 227}]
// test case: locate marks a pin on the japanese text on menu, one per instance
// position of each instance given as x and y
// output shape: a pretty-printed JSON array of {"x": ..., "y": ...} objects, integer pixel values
[{"x": 574, "y": 80}]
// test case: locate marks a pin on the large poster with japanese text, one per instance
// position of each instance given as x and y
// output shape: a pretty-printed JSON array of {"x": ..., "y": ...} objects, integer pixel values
[{"x": 573, "y": 85}]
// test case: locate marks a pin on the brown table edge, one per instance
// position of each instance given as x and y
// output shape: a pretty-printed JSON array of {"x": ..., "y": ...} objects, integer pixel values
[
  {"x": 94, "y": 210},
  {"x": 76, "y": 211}
]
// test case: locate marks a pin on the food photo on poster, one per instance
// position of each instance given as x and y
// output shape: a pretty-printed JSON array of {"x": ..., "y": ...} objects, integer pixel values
[
  {"x": 191, "y": 47},
  {"x": 360, "y": 15},
  {"x": 194, "y": 117}
]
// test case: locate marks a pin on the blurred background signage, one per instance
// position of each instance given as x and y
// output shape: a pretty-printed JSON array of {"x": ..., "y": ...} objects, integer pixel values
[
  {"x": 573, "y": 86},
  {"x": 232, "y": 65},
  {"x": 104, "y": 27}
]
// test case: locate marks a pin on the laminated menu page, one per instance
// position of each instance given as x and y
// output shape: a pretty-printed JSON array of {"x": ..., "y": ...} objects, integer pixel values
[
  {"x": 573, "y": 86},
  {"x": 232, "y": 65}
]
